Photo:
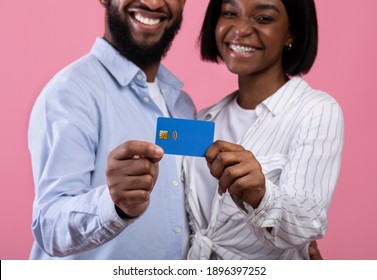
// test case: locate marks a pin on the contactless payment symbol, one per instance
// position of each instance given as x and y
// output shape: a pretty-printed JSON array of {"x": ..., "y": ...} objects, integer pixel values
[{"x": 174, "y": 135}]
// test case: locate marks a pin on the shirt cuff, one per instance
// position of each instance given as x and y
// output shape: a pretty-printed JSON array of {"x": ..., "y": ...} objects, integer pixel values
[
  {"x": 109, "y": 216},
  {"x": 261, "y": 216}
]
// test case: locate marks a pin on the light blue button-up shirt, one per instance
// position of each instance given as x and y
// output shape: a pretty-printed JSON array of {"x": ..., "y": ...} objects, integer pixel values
[{"x": 84, "y": 112}]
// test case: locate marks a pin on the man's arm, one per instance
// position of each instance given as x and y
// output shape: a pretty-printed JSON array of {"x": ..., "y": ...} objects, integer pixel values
[{"x": 72, "y": 213}]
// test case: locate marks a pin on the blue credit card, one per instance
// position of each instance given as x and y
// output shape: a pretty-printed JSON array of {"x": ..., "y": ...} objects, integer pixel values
[{"x": 184, "y": 137}]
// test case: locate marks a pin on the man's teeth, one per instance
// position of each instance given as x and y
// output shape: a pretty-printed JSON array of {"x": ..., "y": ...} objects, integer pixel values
[
  {"x": 147, "y": 21},
  {"x": 241, "y": 49}
]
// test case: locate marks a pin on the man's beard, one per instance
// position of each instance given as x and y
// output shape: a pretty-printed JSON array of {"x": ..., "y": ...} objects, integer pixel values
[{"x": 141, "y": 55}]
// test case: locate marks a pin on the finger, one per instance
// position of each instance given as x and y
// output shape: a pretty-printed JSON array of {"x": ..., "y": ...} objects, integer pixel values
[
  {"x": 230, "y": 175},
  {"x": 226, "y": 159},
  {"x": 250, "y": 189},
  {"x": 245, "y": 176},
  {"x": 121, "y": 174},
  {"x": 134, "y": 198},
  {"x": 221, "y": 146},
  {"x": 134, "y": 202},
  {"x": 137, "y": 149},
  {"x": 141, "y": 182},
  {"x": 135, "y": 167},
  {"x": 128, "y": 177}
]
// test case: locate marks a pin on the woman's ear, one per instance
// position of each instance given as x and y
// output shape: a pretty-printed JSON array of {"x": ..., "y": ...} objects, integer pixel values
[
  {"x": 289, "y": 42},
  {"x": 290, "y": 39}
]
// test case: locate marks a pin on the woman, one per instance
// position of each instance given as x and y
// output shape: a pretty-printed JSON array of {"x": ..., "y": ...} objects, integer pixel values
[{"x": 267, "y": 196}]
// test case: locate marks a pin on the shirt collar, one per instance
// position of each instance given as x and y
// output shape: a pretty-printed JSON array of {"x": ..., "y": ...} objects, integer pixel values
[
  {"x": 123, "y": 70},
  {"x": 276, "y": 103},
  {"x": 285, "y": 96}
]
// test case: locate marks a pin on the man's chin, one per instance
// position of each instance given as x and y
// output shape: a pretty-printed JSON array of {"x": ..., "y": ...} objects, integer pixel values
[
  {"x": 142, "y": 48},
  {"x": 147, "y": 43},
  {"x": 143, "y": 54}
]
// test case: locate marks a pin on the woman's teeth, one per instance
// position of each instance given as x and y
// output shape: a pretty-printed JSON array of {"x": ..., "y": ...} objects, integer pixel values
[{"x": 241, "y": 49}]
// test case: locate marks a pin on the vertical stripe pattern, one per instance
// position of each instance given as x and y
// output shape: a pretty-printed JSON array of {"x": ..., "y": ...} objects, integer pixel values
[{"x": 298, "y": 140}]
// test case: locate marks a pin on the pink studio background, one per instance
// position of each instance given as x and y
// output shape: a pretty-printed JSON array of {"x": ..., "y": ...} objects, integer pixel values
[{"x": 41, "y": 37}]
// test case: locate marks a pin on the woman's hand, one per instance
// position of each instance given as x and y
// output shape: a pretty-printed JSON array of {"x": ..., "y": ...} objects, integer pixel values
[{"x": 237, "y": 170}]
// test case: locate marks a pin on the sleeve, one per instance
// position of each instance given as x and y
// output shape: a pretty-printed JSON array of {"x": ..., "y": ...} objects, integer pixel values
[
  {"x": 295, "y": 210},
  {"x": 70, "y": 215}
]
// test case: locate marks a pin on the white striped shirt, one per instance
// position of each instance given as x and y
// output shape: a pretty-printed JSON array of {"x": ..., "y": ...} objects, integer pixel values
[{"x": 298, "y": 139}]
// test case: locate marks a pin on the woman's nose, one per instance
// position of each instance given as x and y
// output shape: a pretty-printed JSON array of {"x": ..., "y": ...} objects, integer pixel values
[{"x": 243, "y": 28}]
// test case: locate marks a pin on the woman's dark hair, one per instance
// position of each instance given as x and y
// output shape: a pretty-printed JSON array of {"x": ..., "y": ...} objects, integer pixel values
[{"x": 304, "y": 28}]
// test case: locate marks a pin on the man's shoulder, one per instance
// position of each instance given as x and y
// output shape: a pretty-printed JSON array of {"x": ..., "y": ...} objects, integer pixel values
[
  {"x": 81, "y": 76},
  {"x": 85, "y": 72},
  {"x": 83, "y": 66}
]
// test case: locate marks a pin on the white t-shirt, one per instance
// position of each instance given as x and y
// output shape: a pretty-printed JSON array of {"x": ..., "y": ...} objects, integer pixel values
[
  {"x": 231, "y": 125},
  {"x": 156, "y": 95}
]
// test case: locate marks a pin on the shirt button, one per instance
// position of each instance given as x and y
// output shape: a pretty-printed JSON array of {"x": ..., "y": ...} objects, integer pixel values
[
  {"x": 146, "y": 99},
  {"x": 177, "y": 229},
  {"x": 174, "y": 183},
  {"x": 117, "y": 225},
  {"x": 139, "y": 77}
]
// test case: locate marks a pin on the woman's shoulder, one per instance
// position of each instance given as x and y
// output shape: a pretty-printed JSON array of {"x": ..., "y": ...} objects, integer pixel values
[{"x": 308, "y": 95}]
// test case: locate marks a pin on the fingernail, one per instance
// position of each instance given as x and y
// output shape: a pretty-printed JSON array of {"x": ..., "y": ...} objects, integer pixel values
[{"x": 158, "y": 151}]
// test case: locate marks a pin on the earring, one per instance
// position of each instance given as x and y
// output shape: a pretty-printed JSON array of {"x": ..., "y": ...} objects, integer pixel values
[{"x": 289, "y": 47}]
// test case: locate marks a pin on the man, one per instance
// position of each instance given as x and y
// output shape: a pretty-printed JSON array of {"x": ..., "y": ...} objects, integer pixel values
[{"x": 90, "y": 139}]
